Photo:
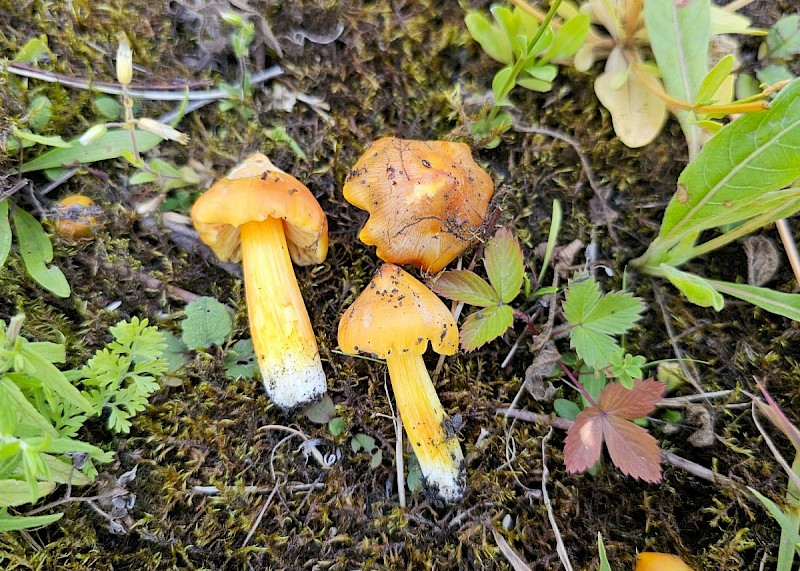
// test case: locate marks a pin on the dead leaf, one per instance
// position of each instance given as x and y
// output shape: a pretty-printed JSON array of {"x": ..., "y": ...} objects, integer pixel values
[
  {"x": 541, "y": 367},
  {"x": 637, "y": 112},
  {"x": 763, "y": 259},
  {"x": 632, "y": 449},
  {"x": 699, "y": 416},
  {"x": 517, "y": 563}
]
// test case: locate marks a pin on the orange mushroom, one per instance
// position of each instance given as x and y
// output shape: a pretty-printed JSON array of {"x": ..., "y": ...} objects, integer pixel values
[
  {"x": 394, "y": 318},
  {"x": 651, "y": 561},
  {"x": 426, "y": 199},
  {"x": 79, "y": 224},
  {"x": 266, "y": 219}
]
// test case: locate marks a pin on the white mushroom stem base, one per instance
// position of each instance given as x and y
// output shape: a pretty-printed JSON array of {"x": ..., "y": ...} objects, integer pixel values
[
  {"x": 438, "y": 453},
  {"x": 283, "y": 339}
]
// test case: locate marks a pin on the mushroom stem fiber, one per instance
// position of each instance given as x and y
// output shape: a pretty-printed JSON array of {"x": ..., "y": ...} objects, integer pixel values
[
  {"x": 438, "y": 453},
  {"x": 283, "y": 339}
]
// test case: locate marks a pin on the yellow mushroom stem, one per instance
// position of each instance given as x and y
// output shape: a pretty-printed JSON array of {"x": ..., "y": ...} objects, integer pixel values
[
  {"x": 436, "y": 447},
  {"x": 283, "y": 339}
]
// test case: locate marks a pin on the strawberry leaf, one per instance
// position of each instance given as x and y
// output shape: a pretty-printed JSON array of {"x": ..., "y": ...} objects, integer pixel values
[
  {"x": 595, "y": 318},
  {"x": 466, "y": 286},
  {"x": 632, "y": 449},
  {"x": 503, "y": 262},
  {"x": 485, "y": 325}
]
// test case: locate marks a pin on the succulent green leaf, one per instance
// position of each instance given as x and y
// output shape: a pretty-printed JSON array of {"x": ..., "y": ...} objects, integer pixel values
[
  {"x": 484, "y": 325},
  {"x": 5, "y": 232},
  {"x": 569, "y": 38},
  {"x": 495, "y": 43},
  {"x": 37, "y": 252},
  {"x": 504, "y": 266},
  {"x": 698, "y": 290},
  {"x": 501, "y": 84},
  {"x": 466, "y": 286}
]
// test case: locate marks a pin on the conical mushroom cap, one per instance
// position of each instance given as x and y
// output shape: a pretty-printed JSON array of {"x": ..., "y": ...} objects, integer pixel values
[
  {"x": 427, "y": 200},
  {"x": 252, "y": 192},
  {"x": 397, "y": 313}
]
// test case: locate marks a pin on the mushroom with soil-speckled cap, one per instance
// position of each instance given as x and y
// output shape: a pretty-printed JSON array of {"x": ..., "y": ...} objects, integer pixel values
[
  {"x": 266, "y": 219},
  {"x": 394, "y": 318},
  {"x": 427, "y": 200}
]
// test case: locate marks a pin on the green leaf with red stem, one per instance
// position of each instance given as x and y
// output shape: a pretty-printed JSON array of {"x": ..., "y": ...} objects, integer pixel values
[{"x": 504, "y": 265}]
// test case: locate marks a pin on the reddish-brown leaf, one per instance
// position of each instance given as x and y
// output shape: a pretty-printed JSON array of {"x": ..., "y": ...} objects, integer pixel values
[
  {"x": 631, "y": 447},
  {"x": 631, "y": 403},
  {"x": 584, "y": 442}
]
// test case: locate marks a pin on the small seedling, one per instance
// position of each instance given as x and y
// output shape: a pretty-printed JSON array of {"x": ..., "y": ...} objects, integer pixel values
[{"x": 632, "y": 449}]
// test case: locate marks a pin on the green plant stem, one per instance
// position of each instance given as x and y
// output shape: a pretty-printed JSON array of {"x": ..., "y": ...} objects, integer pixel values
[
  {"x": 742, "y": 230},
  {"x": 786, "y": 549},
  {"x": 518, "y": 65}
]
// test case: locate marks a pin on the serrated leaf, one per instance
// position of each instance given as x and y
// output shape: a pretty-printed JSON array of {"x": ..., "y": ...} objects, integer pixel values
[
  {"x": 484, "y": 325},
  {"x": 207, "y": 323},
  {"x": 5, "y": 232},
  {"x": 698, "y": 290},
  {"x": 504, "y": 265},
  {"x": 679, "y": 33},
  {"x": 37, "y": 251},
  {"x": 632, "y": 449},
  {"x": 466, "y": 286},
  {"x": 595, "y": 318}
]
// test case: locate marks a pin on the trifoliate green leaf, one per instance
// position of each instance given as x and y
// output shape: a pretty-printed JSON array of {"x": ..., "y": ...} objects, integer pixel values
[
  {"x": 485, "y": 325},
  {"x": 504, "y": 266},
  {"x": 466, "y": 286},
  {"x": 595, "y": 318},
  {"x": 207, "y": 323}
]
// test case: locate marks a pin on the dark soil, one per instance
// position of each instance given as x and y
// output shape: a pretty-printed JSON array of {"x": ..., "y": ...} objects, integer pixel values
[{"x": 394, "y": 70}]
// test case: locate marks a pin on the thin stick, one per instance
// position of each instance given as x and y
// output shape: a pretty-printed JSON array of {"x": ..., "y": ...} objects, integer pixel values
[
  {"x": 672, "y": 459},
  {"x": 261, "y": 514},
  {"x": 790, "y": 246},
  {"x": 398, "y": 448},
  {"x": 560, "y": 547},
  {"x": 150, "y": 94}
]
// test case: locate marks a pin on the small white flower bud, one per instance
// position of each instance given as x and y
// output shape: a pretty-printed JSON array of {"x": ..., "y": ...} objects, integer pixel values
[
  {"x": 124, "y": 59},
  {"x": 92, "y": 134},
  {"x": 162, "y": 130}
]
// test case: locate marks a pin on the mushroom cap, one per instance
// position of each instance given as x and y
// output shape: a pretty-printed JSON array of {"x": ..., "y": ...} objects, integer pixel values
[
  {"x": 397, "y": 313},
  {"x": 426, "y": 199},
  {"x": 254, "y": 191}
]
